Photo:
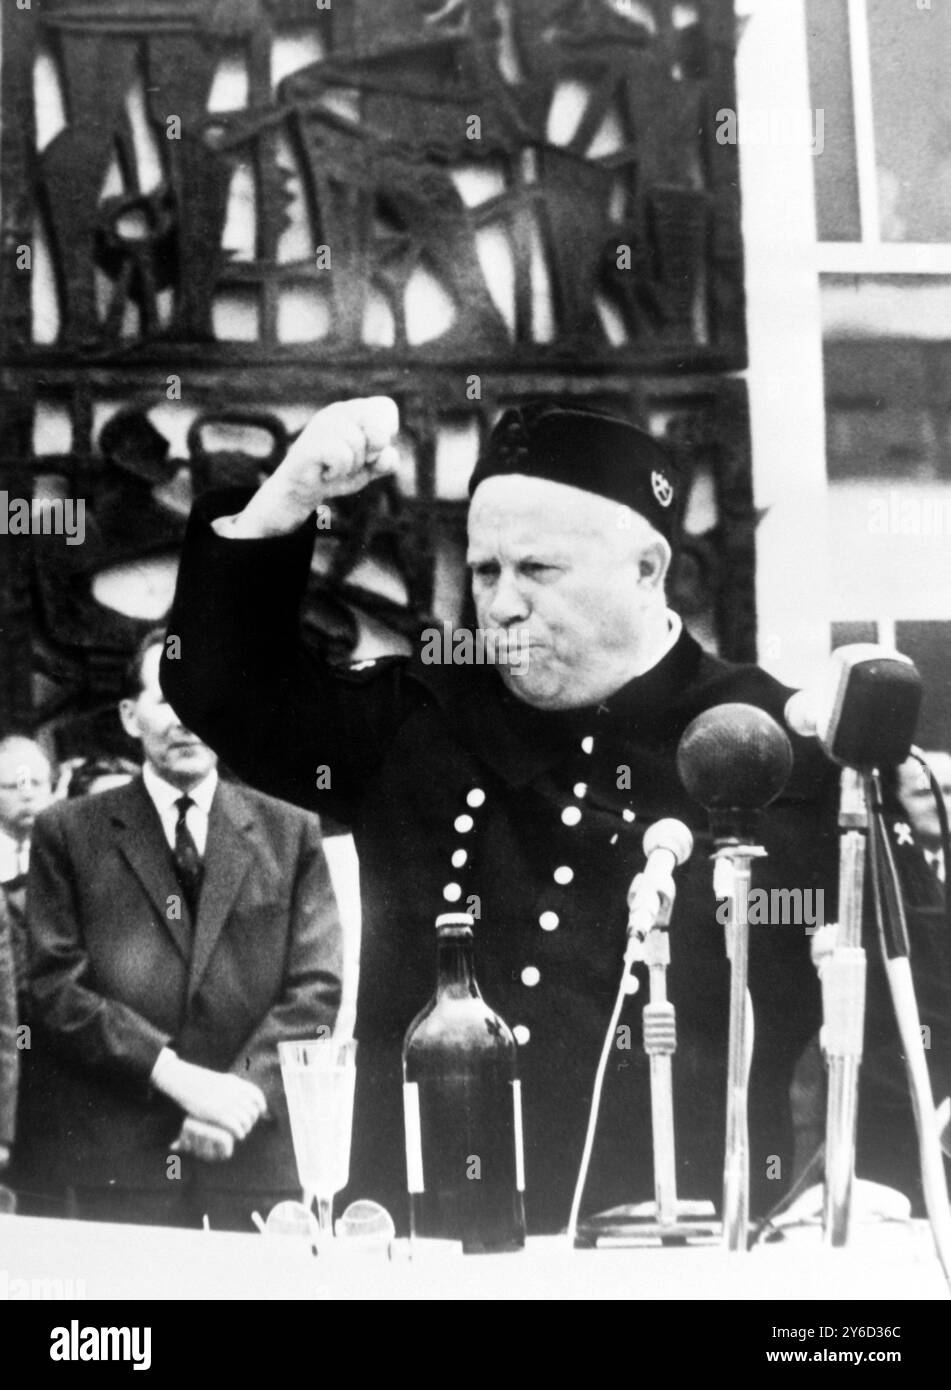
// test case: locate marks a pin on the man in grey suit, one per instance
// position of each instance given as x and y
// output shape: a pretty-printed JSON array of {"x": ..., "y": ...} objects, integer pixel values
[
  {"x": 180, "y": 927},
  {"x": 9, "y": 1057}
]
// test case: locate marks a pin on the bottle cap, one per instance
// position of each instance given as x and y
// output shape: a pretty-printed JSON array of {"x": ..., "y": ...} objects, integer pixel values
[{"x": 455, "y": 919}]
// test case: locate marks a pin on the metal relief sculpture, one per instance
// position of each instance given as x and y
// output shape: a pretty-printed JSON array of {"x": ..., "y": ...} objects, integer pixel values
[{"x": 252, "y": 207}]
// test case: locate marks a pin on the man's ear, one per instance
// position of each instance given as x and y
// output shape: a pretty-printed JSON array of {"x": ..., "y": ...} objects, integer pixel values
[
  {"x": 654, "y": 563},
  {"x": 128, "y": 717}
]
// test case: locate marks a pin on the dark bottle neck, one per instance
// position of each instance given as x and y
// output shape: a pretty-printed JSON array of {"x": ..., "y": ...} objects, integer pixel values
[{"x": 455, "y": 976}]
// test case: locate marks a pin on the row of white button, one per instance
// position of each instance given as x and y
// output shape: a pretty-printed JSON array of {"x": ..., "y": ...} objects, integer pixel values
[{"x": 563, "y": 875}]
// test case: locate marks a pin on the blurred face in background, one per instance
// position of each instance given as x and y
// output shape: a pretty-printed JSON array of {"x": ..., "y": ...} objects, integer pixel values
[
  {"x": 176, "y": 755},
  {"x": 100, "y": 775},
  {"x": 916, "y": 797},
  {"x": 26, "y": 786}
]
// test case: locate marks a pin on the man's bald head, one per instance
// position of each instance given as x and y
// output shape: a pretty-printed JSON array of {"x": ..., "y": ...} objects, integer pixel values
[{"x": 576, "y": 579}]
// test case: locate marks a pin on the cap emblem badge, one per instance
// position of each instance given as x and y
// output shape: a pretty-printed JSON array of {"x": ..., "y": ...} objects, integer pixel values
[{"x": 663, "y": 490}]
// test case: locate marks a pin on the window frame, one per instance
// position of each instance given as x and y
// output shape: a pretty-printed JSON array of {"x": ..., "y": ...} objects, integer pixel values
[{"x": 871, "y": 255}]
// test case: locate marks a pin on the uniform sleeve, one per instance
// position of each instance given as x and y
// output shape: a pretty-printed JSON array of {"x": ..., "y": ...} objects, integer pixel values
[
  {"x": 310, "y": 994},
  {"x": 800, "y": 870},
  {"x": 96, "y": 1031},
  {"x": 236, "y": 671}
]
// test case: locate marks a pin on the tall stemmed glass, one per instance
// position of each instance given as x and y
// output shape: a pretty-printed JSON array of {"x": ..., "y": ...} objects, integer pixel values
[{"x": 319, "y": 1078}]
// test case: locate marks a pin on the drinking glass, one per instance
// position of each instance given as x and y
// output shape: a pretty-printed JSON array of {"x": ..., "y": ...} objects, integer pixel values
[{"x": 318, "y": 1080}]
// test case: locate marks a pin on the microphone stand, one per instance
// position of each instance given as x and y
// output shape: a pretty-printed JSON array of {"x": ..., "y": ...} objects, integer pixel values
[
  {"x": 840, "y": 960},
  {"x": 842, "y": 966},
  {"x": 668, "y": 1218},
  {"x": 893, "y": 938},
  {"x": 733, "y": 862},
  {"x": 660, "y": 1044}
]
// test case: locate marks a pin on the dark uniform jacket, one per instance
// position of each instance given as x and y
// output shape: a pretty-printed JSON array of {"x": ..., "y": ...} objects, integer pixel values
[
  {"x": 457, "y": 795},
  {"x": 115, "y": 977}
]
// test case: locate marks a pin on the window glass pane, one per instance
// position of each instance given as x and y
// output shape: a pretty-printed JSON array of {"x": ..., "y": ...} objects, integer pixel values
[
  {"x": 844, "y": 634},
  {"x": 911, "y": 97},
  {"x": 889, "y": 466},
  {"x": 886, "y": 306},
  {"x": 887, "y": 411},
  {"x": 929, "y": 646},
  {"x": 830, "y": 88}
]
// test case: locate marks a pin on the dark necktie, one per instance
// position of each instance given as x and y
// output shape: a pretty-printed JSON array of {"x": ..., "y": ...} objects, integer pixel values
[
  {"x": 935, "y": 863},
  {"x": 186, "y": 856}
]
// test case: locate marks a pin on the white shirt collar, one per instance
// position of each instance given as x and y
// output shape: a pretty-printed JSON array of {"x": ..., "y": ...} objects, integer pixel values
[
  {"x": 14, "y": 855},
  {"x": 675, "y": 627},
  {"x": 164, "y": 795}
]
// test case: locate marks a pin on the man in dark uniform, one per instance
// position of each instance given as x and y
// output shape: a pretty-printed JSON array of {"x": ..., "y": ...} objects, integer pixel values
[{"x": 520, "y": 790}]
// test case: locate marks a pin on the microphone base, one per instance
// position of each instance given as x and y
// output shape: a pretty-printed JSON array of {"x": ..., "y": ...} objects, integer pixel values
[{"x": 637, "y": 1224}]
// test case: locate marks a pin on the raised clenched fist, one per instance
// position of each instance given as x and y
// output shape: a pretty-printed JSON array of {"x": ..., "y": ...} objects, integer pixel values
[
  {"x": 341, "y": 449},
  {"x": 345, "y": 446}
]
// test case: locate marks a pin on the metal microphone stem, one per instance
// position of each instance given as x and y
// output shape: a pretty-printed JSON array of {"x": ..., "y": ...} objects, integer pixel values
[
  {"x": 733, "y": 881},
  {"x": 660, "y": 1043},
  {"x": 650, "y": 904},
  {"x": 842, "y": 975}
]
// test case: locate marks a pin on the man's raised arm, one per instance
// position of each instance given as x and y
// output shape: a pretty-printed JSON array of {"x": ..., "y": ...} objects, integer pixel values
[
  {"x": 234, "y": 667},
  {"x": 340, "y": 450}
]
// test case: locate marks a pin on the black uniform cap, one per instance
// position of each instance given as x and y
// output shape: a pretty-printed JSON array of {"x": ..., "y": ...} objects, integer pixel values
[{"x": 584, "y": 449}]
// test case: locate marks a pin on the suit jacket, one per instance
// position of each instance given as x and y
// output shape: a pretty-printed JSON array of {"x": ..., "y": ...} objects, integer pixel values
[
  {"x": 13, "y": 893},
  {"x": 457, "y": 795},
  {"x": 115, "y": 977},
  {"x": 9, "y": 1057}
]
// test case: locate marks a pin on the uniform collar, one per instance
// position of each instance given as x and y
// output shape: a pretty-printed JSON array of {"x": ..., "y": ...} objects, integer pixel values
[{"x": 520, "y": 743}]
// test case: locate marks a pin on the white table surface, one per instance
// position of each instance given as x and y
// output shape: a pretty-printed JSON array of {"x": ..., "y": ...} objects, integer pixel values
[{"x": 99, "y": 1261}]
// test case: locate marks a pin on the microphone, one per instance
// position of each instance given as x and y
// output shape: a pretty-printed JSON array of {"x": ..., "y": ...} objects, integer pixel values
[
  {"x": 864, "y": 709},
  {"x": 734, "y": 759},
  {"x": 667, "y": 844}
]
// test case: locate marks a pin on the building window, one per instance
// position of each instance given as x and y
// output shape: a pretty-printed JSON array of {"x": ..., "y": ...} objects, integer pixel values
[
  {"x": 878, "y": 71},
  {"x": 883, "y": 210}
]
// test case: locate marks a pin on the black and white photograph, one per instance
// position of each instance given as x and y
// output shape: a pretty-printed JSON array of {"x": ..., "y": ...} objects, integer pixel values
[{"x": 475, "y": 663}]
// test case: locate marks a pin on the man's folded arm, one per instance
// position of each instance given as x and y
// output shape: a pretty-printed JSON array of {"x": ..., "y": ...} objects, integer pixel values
[
  {"x": 96, "y": 1031},
  {"x": 237, "y": 672}
]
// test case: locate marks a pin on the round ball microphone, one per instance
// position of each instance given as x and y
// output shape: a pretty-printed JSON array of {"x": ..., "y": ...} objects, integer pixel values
[{"x": 734, "y": 759}]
